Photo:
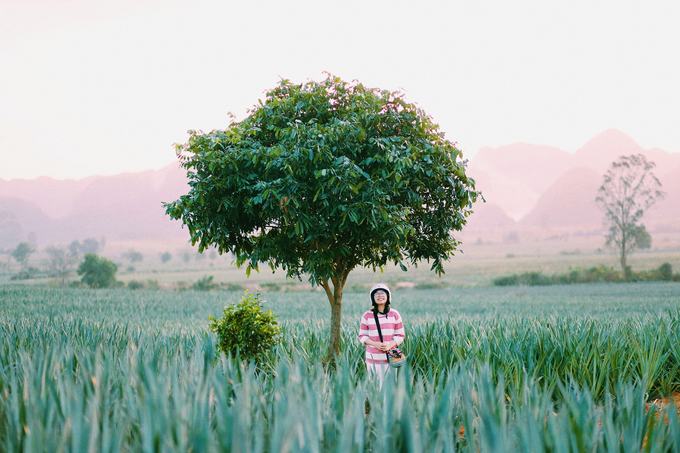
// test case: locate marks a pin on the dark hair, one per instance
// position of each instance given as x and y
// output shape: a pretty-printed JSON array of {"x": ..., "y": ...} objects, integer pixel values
[{"x": 375, "y": 306}]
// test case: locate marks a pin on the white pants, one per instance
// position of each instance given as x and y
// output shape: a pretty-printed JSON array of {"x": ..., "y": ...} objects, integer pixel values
[{"x": 378, "y": 371}]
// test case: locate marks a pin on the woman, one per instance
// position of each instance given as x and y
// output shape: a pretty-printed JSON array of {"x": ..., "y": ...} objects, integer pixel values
[{"x": 391, "y": 327}]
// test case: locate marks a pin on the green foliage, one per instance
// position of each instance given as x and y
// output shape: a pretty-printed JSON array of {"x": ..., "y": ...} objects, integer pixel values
[
  {"x": 89, "y": 245},
  {"x": 151, "y": 284},
  {"x": 138, "y": 284},
  {"x": 233, "y": 287},
  {"x": 246, "y": 328},
  {"x": 431, "y": 284},
  {"x": 271, "y": 286},
  {"x": 591, "y": 275},
  {"x": 641, "y": 237},
  {"x": 560, "y": 370},
  {"x": 666, "y": 271},
  {"x": 133, "y": 256},
  {"x": 205, "y": 284},
  {"x": 97, "y": 271},
  {"x": 22, "y": 252},
  {"x": 26, "y": 273},
  {"x": 135, "y": 284},
  {"x": 166, "y": 256},
  {"x": 325, "y": 176},
  {"x": 662, "y": 273}
]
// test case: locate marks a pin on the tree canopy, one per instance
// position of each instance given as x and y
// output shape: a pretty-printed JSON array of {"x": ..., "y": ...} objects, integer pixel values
[
  {"x": 326, "y": 176},
  {"x": 22, "y": 252},
  {"x": 322, "y": 177}
]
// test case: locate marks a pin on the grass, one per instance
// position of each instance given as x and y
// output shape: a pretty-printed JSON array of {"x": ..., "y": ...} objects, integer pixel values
[
  {"x": 475, "y": 265},
  {"x": 559, "y": 368},
  {"x": 590, "y": 275}
]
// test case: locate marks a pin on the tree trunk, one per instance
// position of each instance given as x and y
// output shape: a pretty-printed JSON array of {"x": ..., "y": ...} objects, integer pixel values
[
  {"x": 336, "y": 318},
  {"x": 335, "y": 300},
  {"x": 624, "y": 267}
]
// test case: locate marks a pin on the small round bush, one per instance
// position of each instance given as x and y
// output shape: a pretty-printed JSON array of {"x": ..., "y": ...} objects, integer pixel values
[
  {"x": 666, "y": 272},
  {"x": 97, "y": 271},
  {"x": 247, "y": 328}
]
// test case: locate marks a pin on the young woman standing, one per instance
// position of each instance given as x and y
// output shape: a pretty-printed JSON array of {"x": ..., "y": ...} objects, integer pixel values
[{"x": 391, "y": 327}]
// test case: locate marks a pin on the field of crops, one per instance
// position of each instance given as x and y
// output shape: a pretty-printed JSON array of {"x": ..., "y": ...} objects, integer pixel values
[{"x": 560, "y": 368}]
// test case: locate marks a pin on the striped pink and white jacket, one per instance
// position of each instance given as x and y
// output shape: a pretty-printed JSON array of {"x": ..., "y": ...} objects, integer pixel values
[{"x": 392, "y": 330}]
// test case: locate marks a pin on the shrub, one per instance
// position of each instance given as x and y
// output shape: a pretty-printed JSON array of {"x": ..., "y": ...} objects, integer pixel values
[
  {"x": 271, "y": 286},
  {"x": 135, "y": 284},
  {"x": 232, "y": 287},
  {"x": 26, "y": 274},
  {"x": 666, "y": 272},
  {"x": 246, "y": 328},
  {"x": 508, "y": 280},
  {"x": 97, "y": 271},
  {"x": 598, "y": 274},
  {"x": 594, "y": 274},
  {"x": 204, "y": 284},
  {"x": 181, "y": 285},
  {"x": 431, "y": 285},
  {"x": 152, "y": 284}
]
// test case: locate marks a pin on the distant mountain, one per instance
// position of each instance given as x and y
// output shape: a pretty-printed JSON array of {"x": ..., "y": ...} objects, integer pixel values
[
  {"x": 489, "y": 216},
  {"x": 569, "y": 203},
  {"x": 531, "y": 188},
  {"x": 544, "y": 187},
  {"x": 54, "y": 197},
  {"x": 120, "y": 207},
  {"x": 18, "y": 219},
  {"x": 514, "y": 176},
  {"x": 604, "y": 148}
]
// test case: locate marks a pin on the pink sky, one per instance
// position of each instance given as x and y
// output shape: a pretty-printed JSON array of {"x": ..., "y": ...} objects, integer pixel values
[{"x": 104, "y": 87}]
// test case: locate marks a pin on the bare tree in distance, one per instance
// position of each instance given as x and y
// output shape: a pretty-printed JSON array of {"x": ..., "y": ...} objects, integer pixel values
[
  {"x": 133, "y": 256},
  {"x": 166, "y": 256},
  {"x": 628, "y": 189},
  {"x": 60, "y": 262},
  {"x": 89, "y": 245}
]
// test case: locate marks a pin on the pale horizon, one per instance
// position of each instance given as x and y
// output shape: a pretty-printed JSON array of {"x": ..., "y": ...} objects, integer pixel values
[
  {"x": 108, "y": 88},
  {"x": 174, "y": 160}
]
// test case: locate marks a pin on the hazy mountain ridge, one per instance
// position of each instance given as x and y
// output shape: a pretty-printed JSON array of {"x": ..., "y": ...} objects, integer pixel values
[
  {"x": 561, "y": 195},
  {"x": 536, "y": 188},
  {"x": 119, "y": 207}
]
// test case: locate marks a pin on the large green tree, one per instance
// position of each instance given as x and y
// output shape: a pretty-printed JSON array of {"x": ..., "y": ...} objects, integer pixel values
[{"x": 321, "y": 178}]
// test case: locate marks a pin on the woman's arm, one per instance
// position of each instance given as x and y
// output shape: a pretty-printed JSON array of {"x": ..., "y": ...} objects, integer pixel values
[
  {"x": 363, "y": 333},
  {"x": 399, "y": 333}
]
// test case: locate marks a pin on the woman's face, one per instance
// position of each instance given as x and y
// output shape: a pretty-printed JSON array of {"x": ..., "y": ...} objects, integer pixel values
[{"x": 380, "y": 297}]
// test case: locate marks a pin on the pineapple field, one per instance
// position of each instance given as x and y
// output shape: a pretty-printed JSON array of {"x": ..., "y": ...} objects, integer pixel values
[{"x": 560, "y": 368}]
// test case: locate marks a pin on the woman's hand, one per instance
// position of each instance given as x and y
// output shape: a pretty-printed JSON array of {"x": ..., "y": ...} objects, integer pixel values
[
  {"x": 375, "y": 344},
  {"x": 385, "y": 347}
]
